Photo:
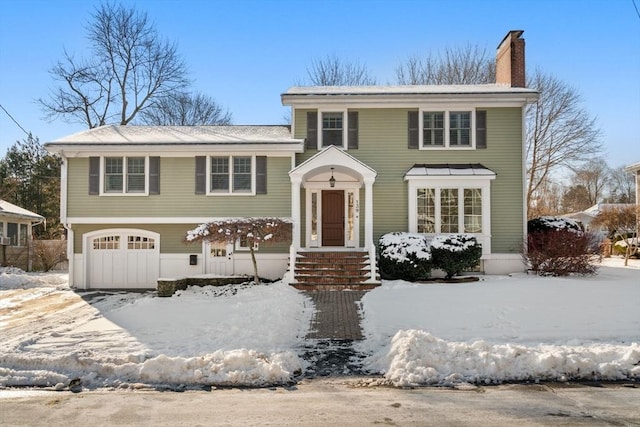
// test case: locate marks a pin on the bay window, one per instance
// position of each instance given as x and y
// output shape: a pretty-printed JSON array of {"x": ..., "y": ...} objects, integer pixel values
[{"x": 452, "y": 198}]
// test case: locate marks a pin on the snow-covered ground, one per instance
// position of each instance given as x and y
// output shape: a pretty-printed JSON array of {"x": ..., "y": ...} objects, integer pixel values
[{"x": 497, "y": 329}]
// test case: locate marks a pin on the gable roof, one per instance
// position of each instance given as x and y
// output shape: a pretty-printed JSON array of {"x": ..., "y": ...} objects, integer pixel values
[
  {"x": 11, "y": 210},
  {"x": 178, "y": 135}
]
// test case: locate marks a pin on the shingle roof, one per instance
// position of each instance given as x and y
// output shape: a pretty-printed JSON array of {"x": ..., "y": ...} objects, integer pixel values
[{"x": 10, "y": 209}]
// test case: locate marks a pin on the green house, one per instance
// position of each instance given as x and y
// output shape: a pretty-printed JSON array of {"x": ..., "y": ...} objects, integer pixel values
[{"x": 356, "y": 162}]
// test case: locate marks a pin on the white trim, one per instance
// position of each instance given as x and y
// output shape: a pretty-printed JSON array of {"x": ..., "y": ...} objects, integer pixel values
[
  {"x": 345, "y": 126},
  {"x": 401, "y": 102},
  {"x": 355, "y": 243},
  {"x": 174, "y": 150},
  {"x": 63, "y": 189},
  {"x": 147, "y": 220},
  {"x": 523, "y": 170}
]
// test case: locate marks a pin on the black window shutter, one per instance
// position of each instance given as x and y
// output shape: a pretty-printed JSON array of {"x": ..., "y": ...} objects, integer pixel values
[
  {"x": 312, "y": 130},
  {"x": 201, "y": 174},
  {"x": 154, "y": 175},
  {"x": 94, "y": 176},
  {"x": 261, "y": 175},
  {"x": 352, "y": 136},
  {"x": 414, "y": 132},
  {"x": 481, "y": 129}
]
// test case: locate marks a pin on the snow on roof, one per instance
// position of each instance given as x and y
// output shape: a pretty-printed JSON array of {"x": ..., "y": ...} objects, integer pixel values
[
  {"x": 449, "y": 169},
  {"x": 9, "y": 209},
  {"x": 634, "y": 167},
  {"x": 113, "y": 134},
  {"x": 406, "y": 90}
]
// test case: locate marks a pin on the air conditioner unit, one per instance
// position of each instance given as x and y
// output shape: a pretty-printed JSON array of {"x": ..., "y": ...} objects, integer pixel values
[{"x": 5, "y": 241}]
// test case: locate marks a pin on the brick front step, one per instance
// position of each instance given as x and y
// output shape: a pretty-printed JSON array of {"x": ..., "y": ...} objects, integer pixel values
[
  {"x": 332, "y": 270},
  {"x": 335, "y": 287}
]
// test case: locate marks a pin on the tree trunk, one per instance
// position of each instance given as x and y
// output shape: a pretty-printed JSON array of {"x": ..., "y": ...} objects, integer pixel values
[{"x": 256, "y": 279}]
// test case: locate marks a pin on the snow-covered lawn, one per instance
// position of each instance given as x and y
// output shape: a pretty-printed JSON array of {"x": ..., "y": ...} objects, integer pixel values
[{"x": 500, "y": 328}]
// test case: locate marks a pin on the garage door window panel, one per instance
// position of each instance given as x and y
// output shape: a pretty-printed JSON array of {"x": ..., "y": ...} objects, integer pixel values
[
  {"x": 106, "y": 242},
  {"x": 140, "y": 242}
]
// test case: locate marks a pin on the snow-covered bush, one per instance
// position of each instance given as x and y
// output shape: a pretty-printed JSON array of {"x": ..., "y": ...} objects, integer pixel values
[
  {"x": 553, "y": 223},
  {"x": 559, "y": 247},
  {"x": 404, "y": 256},
  {"x": 455, "y": 253}
]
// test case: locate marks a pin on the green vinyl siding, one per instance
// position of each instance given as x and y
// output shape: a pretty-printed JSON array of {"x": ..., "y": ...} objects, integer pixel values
[
  {"x": 383, "y": 147},
  {"x": 172, "y": 238},
  {"x": 177, "y": 196}
]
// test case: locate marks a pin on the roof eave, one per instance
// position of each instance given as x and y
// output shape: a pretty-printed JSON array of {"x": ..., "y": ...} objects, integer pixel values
[
  {"x": 516, "y": 98},
  {"x": 295, "y": 146}
]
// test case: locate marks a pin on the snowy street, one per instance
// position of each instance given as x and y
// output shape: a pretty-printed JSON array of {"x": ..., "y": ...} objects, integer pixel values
[{"x": 331, "y": 402}]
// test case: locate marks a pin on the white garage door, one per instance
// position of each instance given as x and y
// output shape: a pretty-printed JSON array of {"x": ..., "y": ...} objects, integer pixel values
[{"x": 123, "y": 259}]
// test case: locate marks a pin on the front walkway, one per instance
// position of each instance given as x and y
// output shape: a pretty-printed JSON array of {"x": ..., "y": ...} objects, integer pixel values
[
  {"x": 336, "y": 315},
  {"x": 335, "y": 326}
]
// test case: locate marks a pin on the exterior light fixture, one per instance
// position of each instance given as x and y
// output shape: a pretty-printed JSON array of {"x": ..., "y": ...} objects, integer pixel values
[{"x": 332, "y": 180}]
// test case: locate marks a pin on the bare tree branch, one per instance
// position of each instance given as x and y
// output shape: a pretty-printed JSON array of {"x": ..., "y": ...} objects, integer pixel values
[
  {"x": 333, "y": 71},
  {"x": 559, "y": 132},
  {"x": 468, "y": 65},
  {"x": 130, "y": 65},
  {"x": 185, "y": 109}
]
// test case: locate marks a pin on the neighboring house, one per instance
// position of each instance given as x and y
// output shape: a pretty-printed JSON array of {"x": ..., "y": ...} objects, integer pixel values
[
  {"x": 589, "y": 214},
  {"x": 15, "y": 233},
  {"x": 356, "y": 163},
  {"x": 634, "y": 169}
]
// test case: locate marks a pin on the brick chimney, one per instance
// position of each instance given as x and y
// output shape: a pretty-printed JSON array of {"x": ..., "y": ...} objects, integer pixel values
[{"x": 510, "y": 60}]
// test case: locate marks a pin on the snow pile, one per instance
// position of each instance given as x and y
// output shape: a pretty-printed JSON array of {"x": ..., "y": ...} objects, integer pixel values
[
  {"x": 418, "y": 358},
  {"x": 241, "y": 367},
  {"x": 15, "y": 278}
]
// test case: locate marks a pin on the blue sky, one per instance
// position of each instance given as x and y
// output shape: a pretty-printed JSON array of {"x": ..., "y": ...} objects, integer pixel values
[{"x": 246, "y": 53}]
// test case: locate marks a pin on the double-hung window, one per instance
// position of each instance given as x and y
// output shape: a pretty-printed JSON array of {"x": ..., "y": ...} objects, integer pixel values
[
  {"x": 231, "y": 174},
  {"x": 332, "y": 129},
  {"x": 447, "y": 129},
  {"x": 124, "y": 175}
]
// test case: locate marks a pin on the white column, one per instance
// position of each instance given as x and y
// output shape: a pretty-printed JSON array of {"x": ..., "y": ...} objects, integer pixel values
[
  {"x": 295, "y": 226},
  {"x": 368, "y": 227},
  {"x": 368, "y": 213}
]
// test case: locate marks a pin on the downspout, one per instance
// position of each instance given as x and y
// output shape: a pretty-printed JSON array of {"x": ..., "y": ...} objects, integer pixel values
[{"x": 63, "y": 217}]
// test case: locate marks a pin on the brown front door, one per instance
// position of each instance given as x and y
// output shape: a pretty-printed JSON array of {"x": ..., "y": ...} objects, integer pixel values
[{"x": 333, "y": 218}]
